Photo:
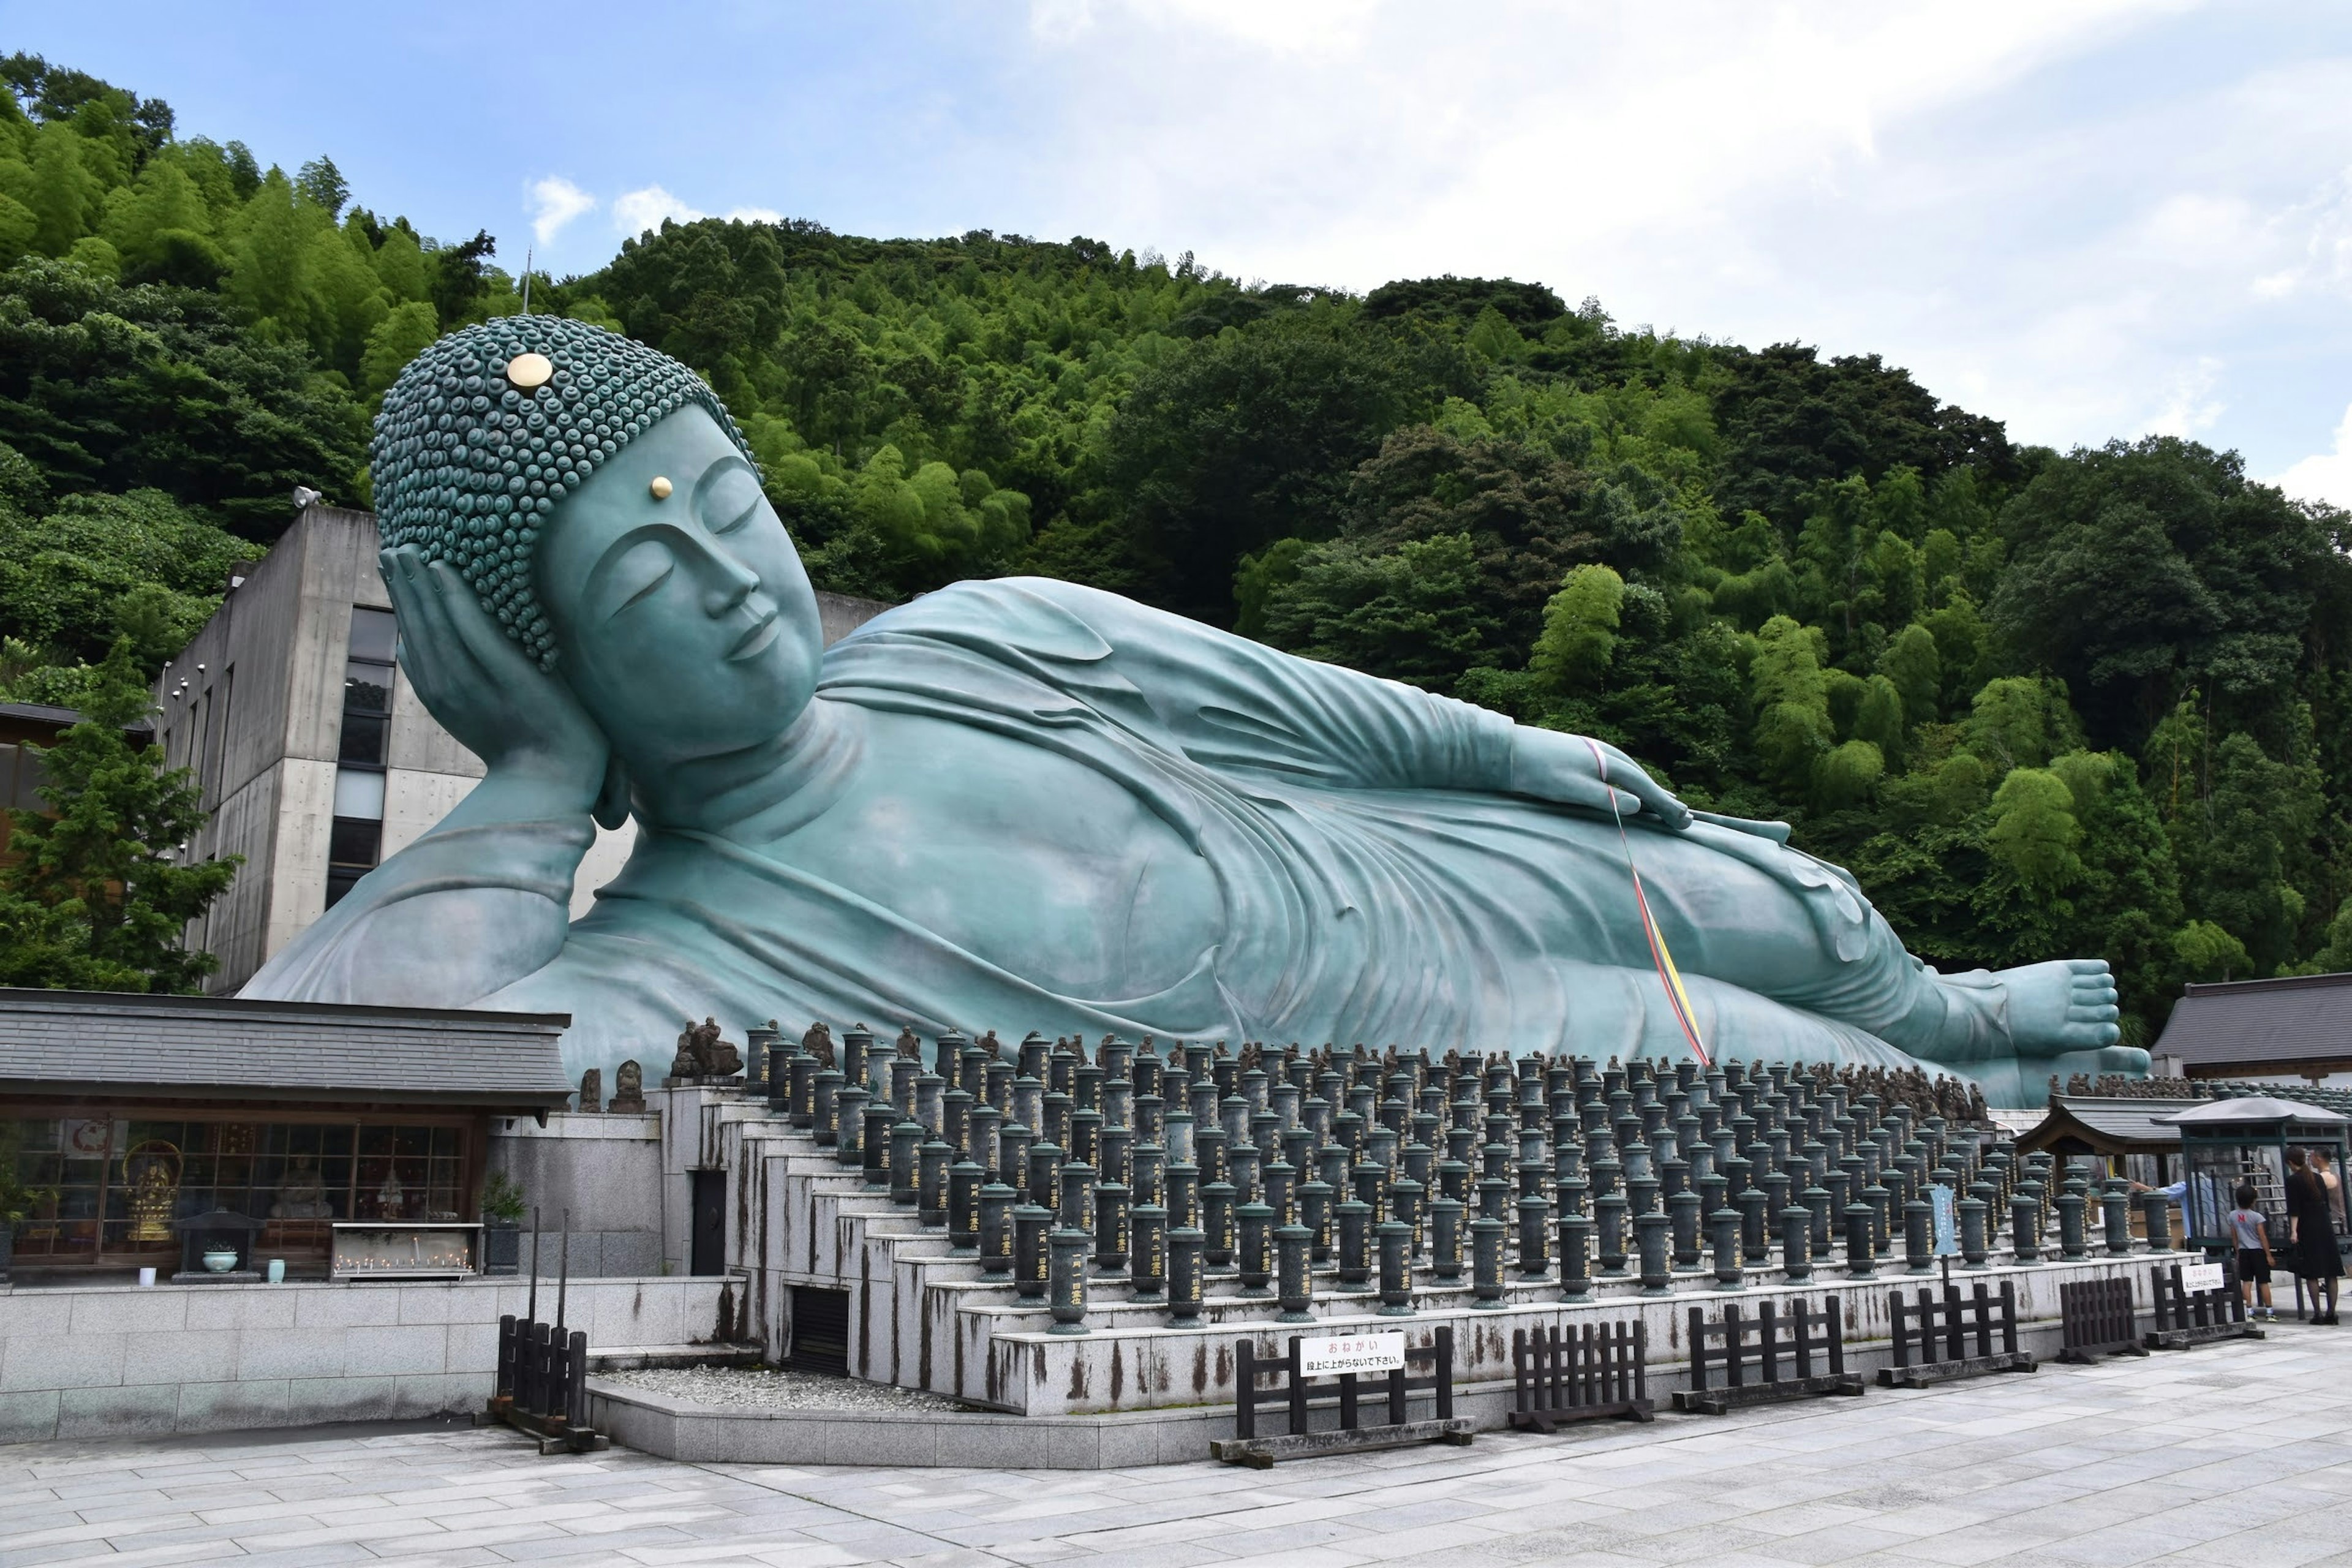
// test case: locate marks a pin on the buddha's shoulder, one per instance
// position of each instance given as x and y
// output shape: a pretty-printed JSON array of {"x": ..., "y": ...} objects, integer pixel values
[{"x": 1043, "y": 616}]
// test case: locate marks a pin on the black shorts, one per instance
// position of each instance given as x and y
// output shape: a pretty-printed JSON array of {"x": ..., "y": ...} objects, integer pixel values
[{"x": 2253, "y": 1269}]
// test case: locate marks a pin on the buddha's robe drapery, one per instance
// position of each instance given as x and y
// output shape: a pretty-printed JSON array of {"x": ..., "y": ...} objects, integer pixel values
[{"x": 1377, "y": 885}]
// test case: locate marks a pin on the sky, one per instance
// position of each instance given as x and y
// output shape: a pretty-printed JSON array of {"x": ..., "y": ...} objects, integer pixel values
[{"x": 2092, "y": 219}]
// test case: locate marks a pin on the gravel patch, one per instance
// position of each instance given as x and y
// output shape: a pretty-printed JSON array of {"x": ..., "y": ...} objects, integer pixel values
[{"x": 753, "y": 1387}]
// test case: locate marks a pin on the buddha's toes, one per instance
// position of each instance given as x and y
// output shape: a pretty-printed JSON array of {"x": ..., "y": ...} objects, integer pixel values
[{"x": 2068, "y": 1005}]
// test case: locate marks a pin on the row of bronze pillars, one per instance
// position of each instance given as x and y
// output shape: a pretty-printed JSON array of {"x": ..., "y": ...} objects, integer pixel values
[{"x": 1056, "y": 1170}]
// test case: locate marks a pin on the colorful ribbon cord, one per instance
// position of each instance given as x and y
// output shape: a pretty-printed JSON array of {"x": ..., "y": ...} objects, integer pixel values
[{"x": 1668, "y": 975}]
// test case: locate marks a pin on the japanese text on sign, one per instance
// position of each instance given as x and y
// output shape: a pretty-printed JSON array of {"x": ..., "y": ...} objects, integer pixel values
[
  {"x": 1357, "y": 1352},
  {"x": 2200, "y": 1277}
]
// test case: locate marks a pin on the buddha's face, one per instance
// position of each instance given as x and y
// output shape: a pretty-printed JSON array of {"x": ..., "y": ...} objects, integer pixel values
[{"x": 685, "y": 620}]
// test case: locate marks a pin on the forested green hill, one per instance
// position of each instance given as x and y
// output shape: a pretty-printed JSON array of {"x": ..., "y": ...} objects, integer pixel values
[{"x": 2040, "y": 703}]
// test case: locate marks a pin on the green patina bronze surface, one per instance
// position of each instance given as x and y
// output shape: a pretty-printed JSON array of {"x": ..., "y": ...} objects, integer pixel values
[{"x": 1024, "y": 803}]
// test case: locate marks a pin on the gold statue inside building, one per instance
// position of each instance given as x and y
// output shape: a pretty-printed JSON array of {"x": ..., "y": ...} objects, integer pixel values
[{"x": 151, "y": 1171}]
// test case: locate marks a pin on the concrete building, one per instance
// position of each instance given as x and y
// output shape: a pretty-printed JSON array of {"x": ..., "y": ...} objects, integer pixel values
[{"x": 315, "y": 757}]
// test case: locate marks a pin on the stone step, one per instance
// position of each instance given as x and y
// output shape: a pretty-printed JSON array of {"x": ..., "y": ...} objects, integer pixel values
[{"x": 643, "y": 1357}]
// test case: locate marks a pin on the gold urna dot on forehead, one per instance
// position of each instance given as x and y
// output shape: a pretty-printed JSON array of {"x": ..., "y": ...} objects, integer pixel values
[{"x": 661, "y": 486}]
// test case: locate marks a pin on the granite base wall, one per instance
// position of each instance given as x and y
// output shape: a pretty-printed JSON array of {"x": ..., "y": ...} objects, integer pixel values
[
  {"x": 680, "y": 1429},
  {"x": 119, "y": 1361},
  {"x": 605, "y": 1170}
]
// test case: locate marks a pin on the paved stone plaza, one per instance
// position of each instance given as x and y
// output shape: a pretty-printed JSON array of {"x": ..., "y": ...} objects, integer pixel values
[{"x": 2235, "y": 1454}]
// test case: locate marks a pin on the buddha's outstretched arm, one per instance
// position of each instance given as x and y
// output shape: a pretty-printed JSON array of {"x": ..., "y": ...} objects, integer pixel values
[
  {"x": 1235, "y": 705},
  {"x": 483, "y": 899}
]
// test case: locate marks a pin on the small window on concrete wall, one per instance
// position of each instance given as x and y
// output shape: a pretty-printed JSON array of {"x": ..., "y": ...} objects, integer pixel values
[{"x": 356, "y": 841}]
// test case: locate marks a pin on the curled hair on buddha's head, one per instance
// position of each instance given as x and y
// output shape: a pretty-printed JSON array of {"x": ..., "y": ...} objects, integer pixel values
[{"x": 489, "y": 428}]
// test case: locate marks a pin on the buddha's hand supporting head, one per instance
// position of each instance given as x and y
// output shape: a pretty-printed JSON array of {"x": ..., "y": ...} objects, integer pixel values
[
  {"x": 484, "y": 689},
  {"x": 604, "y": 515}
]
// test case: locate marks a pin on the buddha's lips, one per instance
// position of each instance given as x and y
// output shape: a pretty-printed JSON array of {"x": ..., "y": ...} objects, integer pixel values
[{"x": 762, "y": 633}]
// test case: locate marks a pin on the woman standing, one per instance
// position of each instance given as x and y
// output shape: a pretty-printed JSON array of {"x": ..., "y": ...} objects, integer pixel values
[{"x": 2311, "y": 1235}]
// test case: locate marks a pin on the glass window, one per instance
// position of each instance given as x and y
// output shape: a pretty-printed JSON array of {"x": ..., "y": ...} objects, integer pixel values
[
  {"x": 354, "y": 841},
  {"x": 341, "y": 879},
  {"x": 364, "y": 739},
  {"x": 373, "y": 633},
  {"x": 360, "y": 794},
  {"x": 113, "y": 1186},
  {"x": 367, "y": 686},
  {"x": 410, "y": 1172}
]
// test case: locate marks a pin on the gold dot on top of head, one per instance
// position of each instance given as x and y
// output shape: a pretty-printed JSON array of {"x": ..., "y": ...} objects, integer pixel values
[
  {"x": 661, "y": 486},
  {"x": 526, "y": 371}
]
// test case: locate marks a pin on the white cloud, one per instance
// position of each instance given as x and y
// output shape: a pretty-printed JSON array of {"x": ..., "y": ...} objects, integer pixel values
[
  {"x": 633, "y": 212},
  {"x": 2317, "y": 232},
  {"x": 2326, "y": 476},
  {"x": 2189, "y": 407},
  {"x": 554, "y": 202}
]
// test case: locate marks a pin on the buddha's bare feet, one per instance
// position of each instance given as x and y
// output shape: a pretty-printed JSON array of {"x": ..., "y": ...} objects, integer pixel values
[{"x": 2060, "y": 1007}]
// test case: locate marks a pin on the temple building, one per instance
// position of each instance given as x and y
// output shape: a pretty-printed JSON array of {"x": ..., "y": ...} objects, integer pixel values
[
  {"x": 131, "y": 1117},
  {"x": 2293, "y": 1029}
]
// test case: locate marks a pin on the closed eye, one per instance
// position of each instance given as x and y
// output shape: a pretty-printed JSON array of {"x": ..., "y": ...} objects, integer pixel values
[
  {"x": 730, "y": 499},
  {"x": 657, "y": 579},
  {"x": 741, "y": 518}
]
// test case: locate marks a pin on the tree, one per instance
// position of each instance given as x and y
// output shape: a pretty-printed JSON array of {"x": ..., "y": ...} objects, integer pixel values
[
  {"x": 1410, "y": 614},
  {"x": 1792, "y": 709},
  {"x": 108, "y": 388},
  {"x": 96, "y": 896},
  {"x": 405, "y": 332},
  {"x": 66, "y": 577},
  {"x": 2239, "y": 848},
  {"x": 2034, "y": 831},
  {"x": 1580, "y": 632},
  {"x": 324, "y": 184},
  {"x": 2137, "y": 569},
  {"x": 2208, "y": 952},
  {"x": 1239, "y": 441}
]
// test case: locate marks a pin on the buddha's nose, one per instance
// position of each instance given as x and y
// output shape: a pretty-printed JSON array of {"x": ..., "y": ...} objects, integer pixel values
[{"x": 732, "y": 583}]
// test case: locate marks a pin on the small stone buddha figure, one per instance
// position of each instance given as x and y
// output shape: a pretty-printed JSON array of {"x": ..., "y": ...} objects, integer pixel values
[
  {"x": 301, "y": 1194},
  {"x": 1024, "y": 803}
]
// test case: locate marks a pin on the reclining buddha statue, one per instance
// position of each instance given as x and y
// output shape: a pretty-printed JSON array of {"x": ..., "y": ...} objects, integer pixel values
[{"x": 1026, "y": 804}]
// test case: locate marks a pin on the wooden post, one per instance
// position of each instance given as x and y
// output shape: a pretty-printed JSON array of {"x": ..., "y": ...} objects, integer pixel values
[
  {"x": 1297, "y": 1390},
  {"x": 1245, "y": 1390}
]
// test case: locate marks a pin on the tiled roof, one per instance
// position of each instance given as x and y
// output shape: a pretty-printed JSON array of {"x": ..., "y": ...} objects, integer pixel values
[
  {"x": 54, "y": 1042},
  {"x": 2304, "y": 1017},
  {"x": 2124, "y": 1121}
]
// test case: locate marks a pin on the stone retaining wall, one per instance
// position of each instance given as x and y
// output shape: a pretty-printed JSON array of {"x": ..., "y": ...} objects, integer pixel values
[
  {"x": 681, "y": 1430},
  {"x": 117, "y": 1360}
]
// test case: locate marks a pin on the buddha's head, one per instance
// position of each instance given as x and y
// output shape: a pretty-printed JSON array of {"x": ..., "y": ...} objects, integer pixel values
[{"x": 604, "y": 507}]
